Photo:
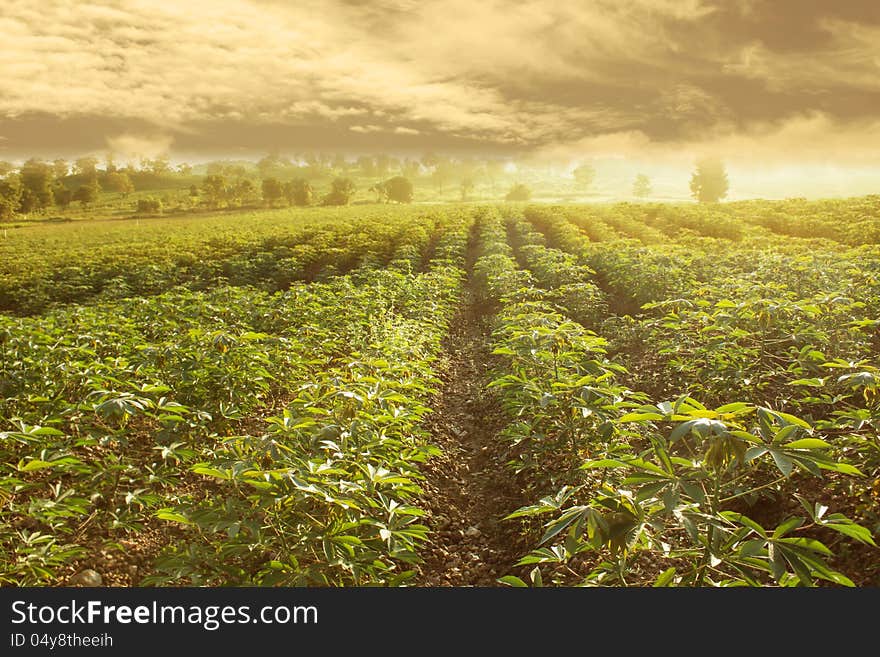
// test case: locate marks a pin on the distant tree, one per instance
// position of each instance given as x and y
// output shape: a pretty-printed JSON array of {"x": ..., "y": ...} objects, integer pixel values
[
  {"x": 120, "y": 182},
  {"x": 184, "y": 169},
  {"x": 411, "y": 168},
  {"x": 86, "y": 194},
  {"x": 149, "y": 205},
  {"x": 383, "y": 164},
  {"x": 273, "y": 191},
  {"x": 214, "y": 188},
  {"x": 366, "y": 166},
  {"x": 399, "y": 189},
  {"x": 63, "y": 197},
  {"x": 380, "y": 189},
  {"x": 6, "y": 168},
  {"x": 430, "y": 160},
  {"x": 244, "y": 191},
  {"x": 340, "y": 164},
  {"x": 443, "y": 171},
  {"x": 109, "y": 163},
  {"x": 10, "y": 196},
  {"x": 272, "y": 166},
  {"x": 467, "y": 186},
  {"x": 341, "y": 191},
  {"x": 642, "y": 186},
  {"x": 494, "y": 170},
  {"x": 60, "y": 168},
  {"x": 36, "y": 182},
  {"x": 584, "y": 175},
  {"x": 159, "y": 166},
  {"x": 299, "y": 192},
  {"x": 193, "y": 190},
  {"x": 518, "y": 192},
  {"x": 709, "y": 182},
  {"x": 87, "y": 167}
]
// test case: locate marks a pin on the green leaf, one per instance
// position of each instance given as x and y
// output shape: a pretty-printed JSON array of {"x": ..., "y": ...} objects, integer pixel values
[
  {"x": 745, "y": 521},
  {"x": 512, "y": 580},
  {"x": 807, "y": 443},
  {"x": 173, "y": 516},
  {"x": 603, "y": 463},
  {"x": 735, "y": 407},
  {"x": 851, "y": 529},
  {"x": 35, "y": 464},
  {"x": 535, "y": 576},
  {"x": 804, "y": 543},
  {"x": 568, "y": 517},
  {"x": 787, "y": 526},
  {"x": 784, "y": 463},
  {"x": 640, "y": 417},
  {"x": 665, "y": 578},
  {"x": 754, "y": 452},
  {"x": 813, "y": 383}
]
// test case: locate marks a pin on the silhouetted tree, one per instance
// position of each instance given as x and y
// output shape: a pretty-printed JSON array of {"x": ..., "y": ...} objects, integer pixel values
[
  {"x": 60, "y": 168},
  {"x": 494, "y": 171},
  {"x": 584, "y": 175},
  {"x": 120, "y": 182},
  {"x": 411, "y": 168},
  {"x": 399, "y": 189},
  {"x": 87, "y": 167},
  {"x": 518, "y": 192},
  {"x": 273, "y": 191},
  {"x": 63, "y": 197},
  {"x": 214, "y": 188},
  {"x": 709, "y": 182},
  {"x": 467, "y": 186},
  {"x": 36, "y": 182},
  {"x": 380, "y": 189},
  {"x": 10, "y": 196},
  {"x": 341, "y": 191},
  {"x": 299, "y": 192},
  {"x": 244, "y": 191},
  {"x": 86, "y": 194},
  {"x": 443, "y": 171},
  {"x": 149, "y": 205},
  {"x": 642, "y": 186},
  {"x": 366, "y": 165}
]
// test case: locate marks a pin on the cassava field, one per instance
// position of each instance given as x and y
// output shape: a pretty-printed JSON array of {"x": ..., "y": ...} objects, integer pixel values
[{"x": 669, "y": 395}]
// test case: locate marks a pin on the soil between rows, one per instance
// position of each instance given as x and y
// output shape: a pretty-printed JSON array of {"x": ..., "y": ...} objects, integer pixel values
[{"x": 469, "y": 489}]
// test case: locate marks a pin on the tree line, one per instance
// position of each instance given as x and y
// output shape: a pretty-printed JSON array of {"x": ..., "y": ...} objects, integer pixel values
[{"x": 37, "y": 185}]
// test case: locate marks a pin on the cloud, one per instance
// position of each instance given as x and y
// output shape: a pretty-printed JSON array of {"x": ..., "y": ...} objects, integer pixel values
[
  {"x": 811, "y": 138},
  {"x": 508, "y": 74},
  {"x": 130, "y": 146},
  {"x": 364, "y": 129}
]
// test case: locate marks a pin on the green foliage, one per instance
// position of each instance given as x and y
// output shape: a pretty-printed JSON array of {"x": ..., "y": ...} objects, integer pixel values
[
  {"x": 275, "y": 436},
  {"x": 149, "y": 206},
  {"x": 341, "y": 191}
]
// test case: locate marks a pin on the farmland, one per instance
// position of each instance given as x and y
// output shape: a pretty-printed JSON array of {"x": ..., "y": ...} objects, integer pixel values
[{"x": 529, "y": 395}]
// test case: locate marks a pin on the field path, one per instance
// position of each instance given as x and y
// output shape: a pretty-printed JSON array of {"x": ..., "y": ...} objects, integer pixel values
[{"x": 469, "y": 489}]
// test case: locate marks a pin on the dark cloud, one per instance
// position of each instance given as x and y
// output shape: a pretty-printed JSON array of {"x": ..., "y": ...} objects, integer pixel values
[{"x": 500, "y": 75}]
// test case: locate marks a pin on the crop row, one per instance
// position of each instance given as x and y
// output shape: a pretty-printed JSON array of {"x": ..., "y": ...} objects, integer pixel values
[
  {"x": 670, "y": 492},
  {"x": 249, "y": 435},
  {"x": 202, "y": 258}
]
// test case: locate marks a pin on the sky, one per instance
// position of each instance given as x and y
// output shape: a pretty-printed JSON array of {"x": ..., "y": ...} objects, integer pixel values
[{"x": 769, "y": 82}]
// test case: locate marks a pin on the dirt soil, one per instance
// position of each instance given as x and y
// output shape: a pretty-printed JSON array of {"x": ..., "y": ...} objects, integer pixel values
[{"x": 469, "y": 489}]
